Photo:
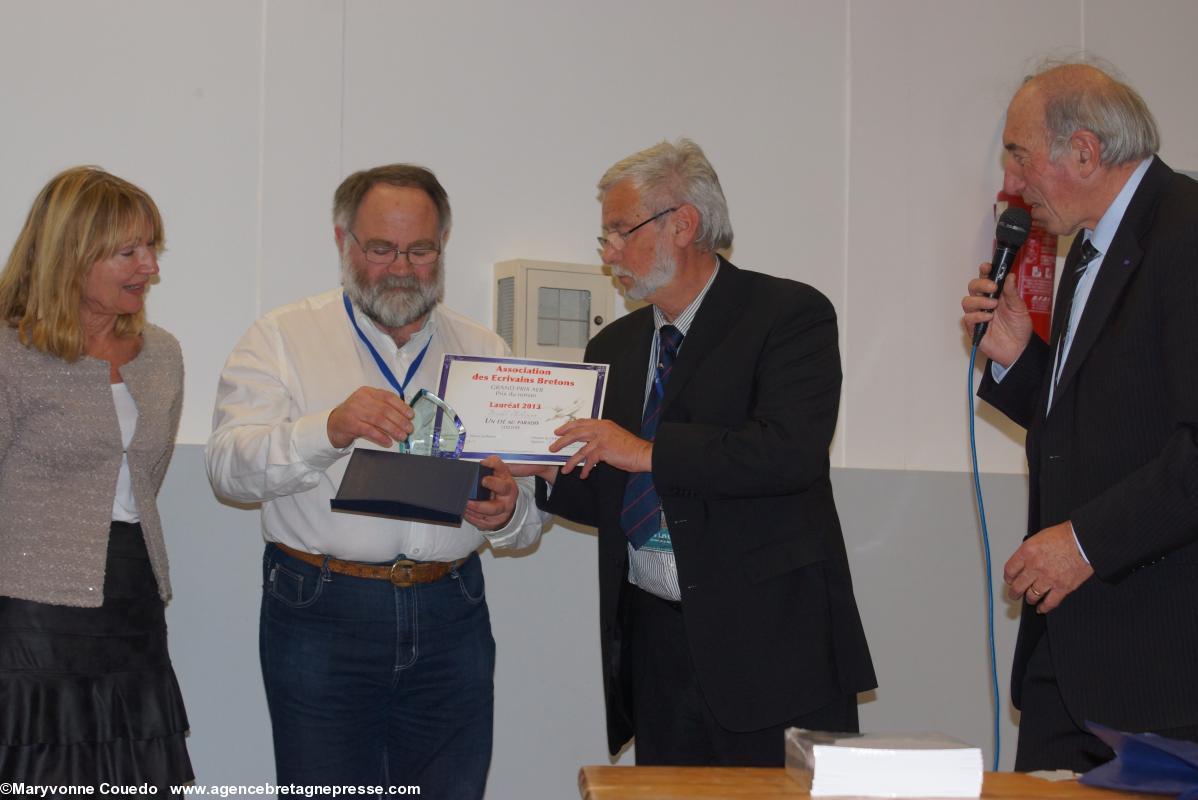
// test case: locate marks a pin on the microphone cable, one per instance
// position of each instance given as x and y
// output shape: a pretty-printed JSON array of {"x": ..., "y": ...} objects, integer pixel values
[
  {"x": 1014, "y": 225},
  {"x": 977, "y": 487}
]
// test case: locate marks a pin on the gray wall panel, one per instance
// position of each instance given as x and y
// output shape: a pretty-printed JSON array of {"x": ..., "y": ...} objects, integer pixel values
[{"x": 917, "y": 566}]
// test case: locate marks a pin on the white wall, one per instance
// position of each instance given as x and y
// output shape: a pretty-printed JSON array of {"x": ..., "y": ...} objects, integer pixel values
[
  {"x": 167, "y": 95},
  {"x": 857, "y": 141},
  {"x": 928, "y": 84}
]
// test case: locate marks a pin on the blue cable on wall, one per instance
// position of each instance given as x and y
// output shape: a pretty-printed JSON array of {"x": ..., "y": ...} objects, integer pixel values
[{"x": 989, "y": 583}]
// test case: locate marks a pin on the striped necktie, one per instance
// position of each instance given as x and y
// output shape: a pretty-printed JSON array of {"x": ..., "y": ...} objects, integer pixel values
[
  {"x": 641, "y": 516},
  {"x": 1088, "y": 253}
]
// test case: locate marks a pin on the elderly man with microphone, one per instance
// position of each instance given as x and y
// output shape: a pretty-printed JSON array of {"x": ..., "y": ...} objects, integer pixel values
[{"x": 1109, "y": 630}]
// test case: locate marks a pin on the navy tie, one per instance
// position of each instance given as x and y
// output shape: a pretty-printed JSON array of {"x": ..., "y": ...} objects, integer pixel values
[
  {"x": 1088, "y": 253},
  {"x": 641, "y": 517}
]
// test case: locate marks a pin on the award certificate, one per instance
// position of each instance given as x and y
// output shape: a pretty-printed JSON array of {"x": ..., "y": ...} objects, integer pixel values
[{"x": 511, "y": 406}]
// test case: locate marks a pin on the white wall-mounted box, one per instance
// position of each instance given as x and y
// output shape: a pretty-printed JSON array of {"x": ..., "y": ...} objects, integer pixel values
[{"x": 550, "y": 310}]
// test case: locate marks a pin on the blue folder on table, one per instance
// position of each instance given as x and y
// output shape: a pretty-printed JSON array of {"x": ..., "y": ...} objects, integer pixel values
[{"x": 1146, "y": 762}]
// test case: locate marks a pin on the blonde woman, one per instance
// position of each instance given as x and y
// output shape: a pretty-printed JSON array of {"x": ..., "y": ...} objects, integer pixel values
[{"x": 89, "y": 404}]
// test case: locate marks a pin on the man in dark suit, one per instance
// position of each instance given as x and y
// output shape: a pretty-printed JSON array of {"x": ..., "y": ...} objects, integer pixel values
[
  {"x": 726, "y": 605},
  {"x": 1109, "y": 569}
]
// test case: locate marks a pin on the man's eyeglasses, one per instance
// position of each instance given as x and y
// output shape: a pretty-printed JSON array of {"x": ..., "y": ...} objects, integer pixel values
[
  {"x": 617, "y": 240},
  {"x": 385, "y": 253}
]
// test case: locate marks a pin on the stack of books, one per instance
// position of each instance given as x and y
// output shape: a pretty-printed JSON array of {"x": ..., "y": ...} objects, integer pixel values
[{"x": 883, "y": 764}]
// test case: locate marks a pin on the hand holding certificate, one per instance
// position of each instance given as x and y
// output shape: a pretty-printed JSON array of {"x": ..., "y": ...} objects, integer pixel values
[
  {"x": 595, "y": 441},
  {"x": 511, "y": 407}
]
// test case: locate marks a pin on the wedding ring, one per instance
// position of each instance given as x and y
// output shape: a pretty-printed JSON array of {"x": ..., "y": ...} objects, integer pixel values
[{"x": 1032, "y": 589}]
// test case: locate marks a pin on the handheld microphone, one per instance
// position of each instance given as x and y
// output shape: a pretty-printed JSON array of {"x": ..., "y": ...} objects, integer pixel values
[{"x": 1009, "y": 236}]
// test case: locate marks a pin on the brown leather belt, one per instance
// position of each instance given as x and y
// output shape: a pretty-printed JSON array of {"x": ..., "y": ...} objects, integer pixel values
[{"x": 402, "y": 572}]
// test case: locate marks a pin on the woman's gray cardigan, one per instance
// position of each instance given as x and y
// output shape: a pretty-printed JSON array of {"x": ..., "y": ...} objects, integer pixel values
[{"x": 60, "y": 454}]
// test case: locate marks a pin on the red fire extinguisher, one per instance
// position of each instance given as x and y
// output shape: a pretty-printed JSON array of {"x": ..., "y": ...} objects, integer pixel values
[{"x": 1035, "y": 268}]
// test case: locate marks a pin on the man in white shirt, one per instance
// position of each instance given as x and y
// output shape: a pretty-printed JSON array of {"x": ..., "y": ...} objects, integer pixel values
[{"x": 375, "y": 641}]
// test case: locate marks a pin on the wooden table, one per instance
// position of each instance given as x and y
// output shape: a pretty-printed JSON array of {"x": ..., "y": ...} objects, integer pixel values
[{"x": 684, "y": 783}]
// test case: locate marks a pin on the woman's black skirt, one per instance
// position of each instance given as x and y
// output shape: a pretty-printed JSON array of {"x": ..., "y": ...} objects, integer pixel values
[{"x": 88, "y": 695}]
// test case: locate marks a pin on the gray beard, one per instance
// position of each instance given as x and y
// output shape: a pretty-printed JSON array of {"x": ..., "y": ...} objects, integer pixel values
[
  {"x": 394, "y": 300},
  {"x": 664, "y": 268}
]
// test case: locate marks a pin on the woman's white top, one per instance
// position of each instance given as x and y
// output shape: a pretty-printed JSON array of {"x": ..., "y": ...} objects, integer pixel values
[{"x": 124, "y": 507}]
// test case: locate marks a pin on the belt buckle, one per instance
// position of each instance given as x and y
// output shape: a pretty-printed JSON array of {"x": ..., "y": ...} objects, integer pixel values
[{"x": 401, "y": 572}]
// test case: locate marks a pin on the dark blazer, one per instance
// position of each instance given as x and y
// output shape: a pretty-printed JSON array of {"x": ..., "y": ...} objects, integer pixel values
[
  {"x": 741, "y": 464},
  {"x": 1118, "y": 455}
]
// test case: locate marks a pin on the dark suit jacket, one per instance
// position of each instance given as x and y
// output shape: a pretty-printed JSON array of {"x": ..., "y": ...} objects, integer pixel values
[
  {"x": 741, "y": 464},
  {"x": 1118, "y": 455}
]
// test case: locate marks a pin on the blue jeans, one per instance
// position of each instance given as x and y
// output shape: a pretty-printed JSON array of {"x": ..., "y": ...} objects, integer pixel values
[{"x": 370, "y": 684}]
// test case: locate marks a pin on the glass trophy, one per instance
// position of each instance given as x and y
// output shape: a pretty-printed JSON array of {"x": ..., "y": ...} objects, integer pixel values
[{"x": 437, "y": 430}]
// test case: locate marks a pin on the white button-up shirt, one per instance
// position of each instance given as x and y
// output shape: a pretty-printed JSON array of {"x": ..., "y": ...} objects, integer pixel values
[{"x": 270, "y": 442}]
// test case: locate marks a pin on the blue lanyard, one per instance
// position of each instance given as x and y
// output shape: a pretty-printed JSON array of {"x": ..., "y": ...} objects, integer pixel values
[{"x": 378, "y": 359}]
